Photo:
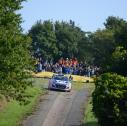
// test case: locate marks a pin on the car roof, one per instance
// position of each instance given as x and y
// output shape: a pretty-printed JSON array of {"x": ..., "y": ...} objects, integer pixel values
[
  {"x": 61, "y": 78},
  {"x": 60, "y": 75}
]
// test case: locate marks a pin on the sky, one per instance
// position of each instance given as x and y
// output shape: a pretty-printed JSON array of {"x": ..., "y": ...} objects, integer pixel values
[{"x": 89, "y": 15}]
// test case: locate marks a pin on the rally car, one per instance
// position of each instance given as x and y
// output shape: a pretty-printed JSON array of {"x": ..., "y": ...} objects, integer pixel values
[{"x": 60, "y": 82}]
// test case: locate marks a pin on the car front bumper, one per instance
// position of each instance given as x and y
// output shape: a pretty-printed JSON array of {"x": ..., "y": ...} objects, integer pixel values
[{"x": 59, "y": 87}]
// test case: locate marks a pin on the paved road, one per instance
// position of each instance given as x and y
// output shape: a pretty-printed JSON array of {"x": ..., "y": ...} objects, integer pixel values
[{"x": 59, "y": 109}]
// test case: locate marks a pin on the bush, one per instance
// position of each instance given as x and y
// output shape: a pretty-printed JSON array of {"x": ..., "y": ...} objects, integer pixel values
[{"x": 110, "y": 100}]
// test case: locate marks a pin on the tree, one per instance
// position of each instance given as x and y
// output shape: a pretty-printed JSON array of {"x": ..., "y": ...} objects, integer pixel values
[
  {"x": 14, "y": 51},
  {"x": 43, "y": 40},
  {"x": 69, "y": 38},
  {"x": 85, "y": 48},
  {"x": 55, "y": 40},
  {"x": 118, "y": 27},
  {"x": 114, "y": 23},
  {"x": 103, "y": 47}
]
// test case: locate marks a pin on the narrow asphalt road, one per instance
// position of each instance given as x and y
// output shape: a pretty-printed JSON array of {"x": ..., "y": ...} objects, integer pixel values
[{"x": 59, "y": 109}]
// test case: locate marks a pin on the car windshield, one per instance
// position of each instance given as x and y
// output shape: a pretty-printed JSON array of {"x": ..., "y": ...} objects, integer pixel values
[{"x": 61, "y": 78}]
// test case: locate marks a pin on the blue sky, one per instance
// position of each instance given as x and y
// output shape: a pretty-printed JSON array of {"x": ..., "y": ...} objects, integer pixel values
[{"x": 89, "y": 15}]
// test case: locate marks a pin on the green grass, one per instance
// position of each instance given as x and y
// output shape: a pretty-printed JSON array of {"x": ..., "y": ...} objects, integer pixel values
[
  {"x": 80, "y": 85},
  {"x": 77, "y": 85},
  {"x": 39, "y": 82},
  {"x": 13, "y": 113},
  {"x": 89, "y": 118}
]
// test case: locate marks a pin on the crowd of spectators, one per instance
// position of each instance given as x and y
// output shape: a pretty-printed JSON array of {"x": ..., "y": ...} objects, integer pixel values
[{"x": 67, "y": 66}]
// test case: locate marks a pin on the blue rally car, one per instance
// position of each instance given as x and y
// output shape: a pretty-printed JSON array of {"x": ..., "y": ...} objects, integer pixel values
[{"x": 60, "y": 82}]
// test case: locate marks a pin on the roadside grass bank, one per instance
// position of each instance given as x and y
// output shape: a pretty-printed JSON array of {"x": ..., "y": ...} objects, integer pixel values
[
  {"x": 14, "y": 112},
  {"x": 77, "y": 85},
  {"x": 81, "y": 85},
  {"x": 40, "y": 82},
  {"x": 89, "y": 118}
]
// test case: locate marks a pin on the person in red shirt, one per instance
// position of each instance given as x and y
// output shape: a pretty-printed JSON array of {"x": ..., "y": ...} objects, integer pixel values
[{"x": 75, "y": 61}]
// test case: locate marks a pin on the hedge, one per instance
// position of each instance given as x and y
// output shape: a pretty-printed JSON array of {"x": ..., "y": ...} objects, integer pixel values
[{"x": 110, "y": 100}]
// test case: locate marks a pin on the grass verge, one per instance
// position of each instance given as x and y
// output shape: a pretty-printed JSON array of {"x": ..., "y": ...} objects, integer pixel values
[
  {"x": 89, "y": 118},
  {"x": 14, "y": 112},
  {"x": 77, "y": 85}
]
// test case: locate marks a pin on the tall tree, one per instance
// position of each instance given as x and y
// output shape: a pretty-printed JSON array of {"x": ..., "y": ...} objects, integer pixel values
[
  {"x": 43, "y": 40},
  {"x": 85, "y": 49},
  {"x": 114, "y": 23},
  {"x": 110, "y": 46},
  {"x": 14, "y": 50},
  {"x": 103, "y": 47},
  {"x": 119, "y": 57},
  {"x": 68, "y": 38}
]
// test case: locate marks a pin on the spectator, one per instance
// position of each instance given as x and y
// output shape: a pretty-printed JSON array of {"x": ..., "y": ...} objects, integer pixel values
[{"x": 67, "y": 66}]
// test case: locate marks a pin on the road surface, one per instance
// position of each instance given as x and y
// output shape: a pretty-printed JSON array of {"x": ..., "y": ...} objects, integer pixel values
[{"x": 59, "y": 109}]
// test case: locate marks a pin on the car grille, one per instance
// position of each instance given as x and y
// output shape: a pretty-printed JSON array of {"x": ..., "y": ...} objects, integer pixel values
[{"x": 60, "y": 86}]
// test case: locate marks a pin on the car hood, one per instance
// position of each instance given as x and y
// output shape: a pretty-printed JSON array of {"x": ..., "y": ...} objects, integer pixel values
[{"x": 61, "y": 82}]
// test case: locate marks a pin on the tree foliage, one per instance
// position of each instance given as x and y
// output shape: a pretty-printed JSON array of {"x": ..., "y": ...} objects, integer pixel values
[
  {"x": 103, "y": 47},
  {"x": 106, "y": 43},
  {"x": 14, "y": 54},
  {"x": 110, "y": 100},
  {"x": 68, "y": 38},
  {"x": 60, "y": 39},
  {"x": 43, "y": 40}
]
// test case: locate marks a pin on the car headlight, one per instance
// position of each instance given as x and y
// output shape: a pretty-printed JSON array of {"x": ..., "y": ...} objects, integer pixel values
[{"x": 67, "y": 85}]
